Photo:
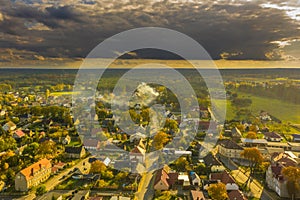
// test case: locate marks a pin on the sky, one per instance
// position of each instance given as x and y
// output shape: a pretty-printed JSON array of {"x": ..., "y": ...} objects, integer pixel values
[{"x": 55, "y": 33}]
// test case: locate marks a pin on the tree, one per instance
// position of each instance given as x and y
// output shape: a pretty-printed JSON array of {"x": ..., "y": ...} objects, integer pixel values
[
  {"x": 47, "y": 149},
  {"x": 251, "y": 135},
  {"x": 40, "y": 190},
  {"x": 165, "y": 195},
  {"x": 217, "y": 191},
  {"x": 31, "y": 150},
  {"x": 182, "y": 164},
  {"x": 97, "y": 167},
  {"x": 160, "y": 139},
  {"x": 292, "y": 175},
  {"x": 254, "y": 157}
]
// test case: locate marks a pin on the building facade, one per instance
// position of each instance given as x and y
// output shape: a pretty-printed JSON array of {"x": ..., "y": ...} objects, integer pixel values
[{"x": 33, "y": 175}]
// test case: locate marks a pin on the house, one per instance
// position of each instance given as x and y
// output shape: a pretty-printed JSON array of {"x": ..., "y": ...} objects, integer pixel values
[
  {"x": 236, "y": 134},
  {"x": 236, "y": 195},
  {"x": 247, "y": 142},
  {"x": 165, "y": 180},
  {"x": 9, "y": 126},
  {"x": 274, "y": 179},
  {"x": 195, "y": 179},
  {"x": 224, "y": 177},
  {"x": 18, "y": 134},
  {"x": 229, "y": 149},
  {"x": 212, "y": 163},
  {"x": 183, "y": 180},
  {"x": 197, "y": 195},
  {"x": 60, "y": 165},
  {"x": 75, "y": 152},
  {"x": 137, "y": 154},
  {"x": 294, "y": 146},
  {"x": 272, "y": 136},
  {"x": 296, "y": 137},
  {"x": 33, "y": 175},
  {"x": 283, "y": 145},
  {"x": 54, "y": 170},
  {"x": 91, "y": 144}
]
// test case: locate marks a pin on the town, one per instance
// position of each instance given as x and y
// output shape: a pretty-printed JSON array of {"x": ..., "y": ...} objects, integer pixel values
[{"x": 44, "y": 156}]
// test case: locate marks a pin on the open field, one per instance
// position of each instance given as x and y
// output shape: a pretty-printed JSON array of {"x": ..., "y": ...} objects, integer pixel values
[
  {"x": 229, "y": 109},
  {"x": 61, "y": 93},
  {"x": 284, "y": 111}
]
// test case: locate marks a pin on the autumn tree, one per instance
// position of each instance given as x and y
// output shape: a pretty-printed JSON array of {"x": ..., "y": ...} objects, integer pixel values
[
  {"x": 292, "y": 175},
  {"x": 97, "y": 167},
  {"x": 47, "y": 149},
  {"x": 165, "y": 195},
  {"x": 251, "y": 135},
  {"x": 217, "y": 191},
  {"x": 182, "y": 164},
  {"x": 160, "y": 139},
  {"x": 254, "y": 157}
]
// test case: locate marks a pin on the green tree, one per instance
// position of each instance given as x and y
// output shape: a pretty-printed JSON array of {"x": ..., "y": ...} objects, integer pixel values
[
  {"x": 47, "y": 149},
  {"x": 40, "y": 190},
  {"x": 182, "y": 164}
]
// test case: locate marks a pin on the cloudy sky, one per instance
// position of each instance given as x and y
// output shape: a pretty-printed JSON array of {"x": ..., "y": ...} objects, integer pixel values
[{"x": 67, "y": 30}]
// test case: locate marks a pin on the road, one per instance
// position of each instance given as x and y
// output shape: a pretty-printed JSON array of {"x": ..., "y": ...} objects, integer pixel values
[
  {"x": 256, "y": 189},
  {"x": 145, "y": 189},
  {"x": 54, "y": 181}
]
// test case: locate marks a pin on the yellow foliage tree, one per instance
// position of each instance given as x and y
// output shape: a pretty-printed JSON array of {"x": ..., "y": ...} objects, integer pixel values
[{"x": 217, "y": 191}]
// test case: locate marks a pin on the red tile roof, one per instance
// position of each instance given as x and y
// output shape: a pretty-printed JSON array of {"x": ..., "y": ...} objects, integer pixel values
[
  {"x": 161, "y": 175},
  {"x": 224, "y": 177},
  {"x": 168, "y": 179},
  {"x": 236, "y": 195},
  {"x": 19, "y": 133},
  {"x": 27, "y": 172},
  {"x": 197, "y": 195},
  {"x": 138, "y": 150}
]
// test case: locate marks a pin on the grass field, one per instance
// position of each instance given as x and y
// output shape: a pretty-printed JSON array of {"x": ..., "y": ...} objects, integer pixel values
[
  {"x": 230, "y": 114},
  {"x": 284, "y": 111},
  {"x": 61, "y": 93}
]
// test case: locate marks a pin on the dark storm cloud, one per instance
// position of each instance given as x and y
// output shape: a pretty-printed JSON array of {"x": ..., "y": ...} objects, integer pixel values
[{"x": 242, "y": 31}]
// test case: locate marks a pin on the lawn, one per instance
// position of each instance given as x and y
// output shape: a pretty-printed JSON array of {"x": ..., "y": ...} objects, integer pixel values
[
  {"x": 287, "y": 112},
  {"x": 284, "y": 111},
  {"x": 62, "y": 93},
  {"x": 71, "y": 184},
  {"x": 230, "y": 114}
]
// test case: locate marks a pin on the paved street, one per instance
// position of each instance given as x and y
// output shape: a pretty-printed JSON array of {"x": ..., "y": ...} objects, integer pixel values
[
  {"x": 145, "y": 190},
  {"x": 55, "y": 180},
  {"x": 256, "y": 189},
  {"x": 52, "y": 182}
]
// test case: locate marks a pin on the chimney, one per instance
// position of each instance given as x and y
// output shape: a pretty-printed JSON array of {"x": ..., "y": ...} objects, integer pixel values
[
  {"x": 40, "y": 165},
  {"x": 32, "y": 170}
]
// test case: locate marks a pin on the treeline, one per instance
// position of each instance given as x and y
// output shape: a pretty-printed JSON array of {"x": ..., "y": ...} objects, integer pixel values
[{"x": 281, "y": 92}]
